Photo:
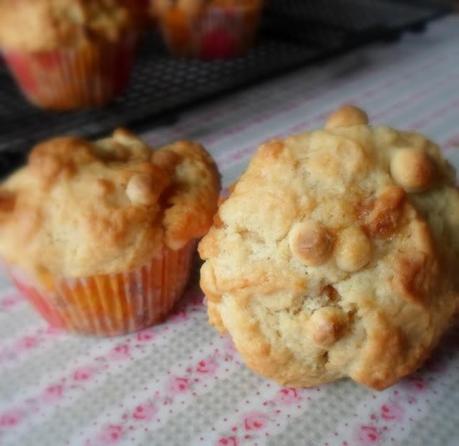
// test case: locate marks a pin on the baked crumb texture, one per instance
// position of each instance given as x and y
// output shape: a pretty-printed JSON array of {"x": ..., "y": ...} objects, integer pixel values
[
  {"x": 336, "y": 255},
  {"x": 81, "y": 208},
  {"x": 42, "y": 25}
]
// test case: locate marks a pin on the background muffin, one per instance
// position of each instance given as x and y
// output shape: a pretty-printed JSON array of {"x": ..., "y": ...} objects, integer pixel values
[
  {"x": 209, "y": 29},
  {"x": 100, "y": 235},
  {"x": 67, "y": 54},
  {"x": 336, "y": 255}
]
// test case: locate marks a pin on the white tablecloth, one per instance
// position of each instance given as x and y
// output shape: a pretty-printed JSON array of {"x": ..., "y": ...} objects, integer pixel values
[{"x": 179, "y": 383}]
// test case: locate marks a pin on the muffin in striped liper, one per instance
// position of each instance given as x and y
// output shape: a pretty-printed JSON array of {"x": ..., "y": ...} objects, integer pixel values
[{"x": 100, "y": 235}]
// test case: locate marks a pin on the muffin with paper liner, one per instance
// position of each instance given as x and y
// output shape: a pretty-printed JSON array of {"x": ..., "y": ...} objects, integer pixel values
[
  {"x": 208, "y": 29},
  {"x": 99, "y": 236},
  {"x": 336, "y": 254},
  {"x": 70, "y": 54}
]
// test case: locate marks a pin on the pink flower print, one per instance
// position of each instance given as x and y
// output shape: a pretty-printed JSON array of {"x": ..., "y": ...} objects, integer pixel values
[
  {"x": 227, "y": 441},
  {"x": 52, "y": 331},
  {"x": 179, "y": 317},
  {"x": 391, "y": 412},
  {"x": 417, "y": 383},
  {"x": 289, "y": 395},
  {"x": 145, "y": 336},
  {"x": 82, "y": 374},
  {"x": 120, "y": 352},
  {"x": 53, "y": 392},
  {"x": 111, "y": 434},
  {"x": 9, "y": 302},
  {"x": 180, "y": 384},
  {"x": 144, "y": 412},
  {"x": 369, "y": 435},
  {"x": 28, "y": 342},
  {"x": 9, "y": 419},
  {"x": 254, "y": 421},
  {"x": 206, "y": 366}
]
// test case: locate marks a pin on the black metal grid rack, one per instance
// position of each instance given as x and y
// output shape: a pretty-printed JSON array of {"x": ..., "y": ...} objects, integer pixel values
[{"x": 294, "y": 33}]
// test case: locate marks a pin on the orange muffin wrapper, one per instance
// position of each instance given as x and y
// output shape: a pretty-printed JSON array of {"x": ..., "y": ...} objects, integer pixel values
[
  {"x": 216, "y": 32},
  {"x": 64, "y": 79},
  {"x": 111, "y": 304}
]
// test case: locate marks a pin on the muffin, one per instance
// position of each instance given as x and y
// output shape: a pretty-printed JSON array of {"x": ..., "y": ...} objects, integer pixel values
[
  {"x": 208, "y": 29},
  {"x": 69, "y": 54},
  {"x": 336, "y": 255},
  {"x": 100, "y": 235}
]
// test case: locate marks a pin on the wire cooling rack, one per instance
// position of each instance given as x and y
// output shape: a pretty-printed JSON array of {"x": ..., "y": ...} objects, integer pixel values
[{"x": 294, "y": 33}]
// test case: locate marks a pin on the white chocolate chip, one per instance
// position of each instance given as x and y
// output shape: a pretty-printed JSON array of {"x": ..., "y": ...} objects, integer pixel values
[
  {"x": 346, "y": 116},
  {"x": 326, "y": 326},
  {"x": 140, "y": 190},
  {"x": 311, "y": 243},
  {"x": 353, "y": 249},
  {"x": 412, "y": 169}
]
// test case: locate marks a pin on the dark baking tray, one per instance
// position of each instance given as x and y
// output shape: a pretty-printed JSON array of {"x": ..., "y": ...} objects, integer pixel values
[{"x": 294, "y": 33}]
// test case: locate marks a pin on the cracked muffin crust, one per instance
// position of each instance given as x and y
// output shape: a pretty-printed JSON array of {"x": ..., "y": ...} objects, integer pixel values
[
  {"x": 335, "y": 255},
  {"x": 80, "y": 208},
  {"x": 41, "y": 25}
]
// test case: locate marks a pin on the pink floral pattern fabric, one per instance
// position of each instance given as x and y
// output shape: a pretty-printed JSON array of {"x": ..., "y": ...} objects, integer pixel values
[{"x": 181, "y": 383}]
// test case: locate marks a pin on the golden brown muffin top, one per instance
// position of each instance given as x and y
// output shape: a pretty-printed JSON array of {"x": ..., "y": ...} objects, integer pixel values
[
  {"x": 336, "y": 254},
  {"x": 40, "y": 25},
  {"x": 81, "y": 208}
]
